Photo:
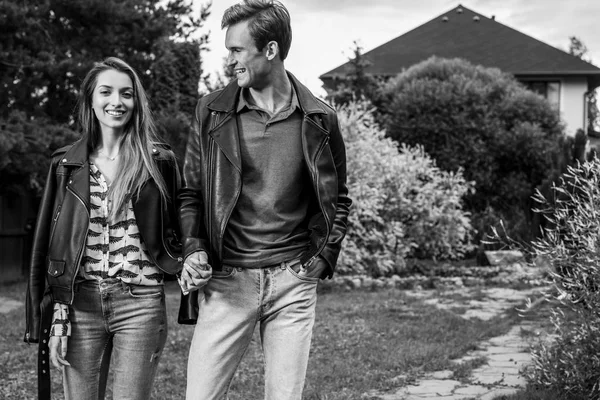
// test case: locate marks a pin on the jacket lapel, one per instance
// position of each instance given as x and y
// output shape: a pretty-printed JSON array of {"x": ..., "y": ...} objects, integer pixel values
[
  {"x": 313, "y": 138},
  {"x": 225, "y": 135},
  {"x": 77, "y": 160},
  {"x": 224, "y": 129}
]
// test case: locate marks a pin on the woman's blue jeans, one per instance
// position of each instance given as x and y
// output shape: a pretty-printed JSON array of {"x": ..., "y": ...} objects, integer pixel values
[{"x": 118, "y": 322}]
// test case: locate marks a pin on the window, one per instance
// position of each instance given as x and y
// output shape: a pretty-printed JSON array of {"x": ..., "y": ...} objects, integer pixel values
[{"x": 549, "y": 90}]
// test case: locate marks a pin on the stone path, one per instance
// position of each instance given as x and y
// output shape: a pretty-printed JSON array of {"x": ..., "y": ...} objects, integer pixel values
[{"x": 506, "y": 355}]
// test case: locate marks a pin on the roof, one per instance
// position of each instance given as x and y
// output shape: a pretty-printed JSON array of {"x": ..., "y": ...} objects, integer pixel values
[{"x": 467, "y": 34}]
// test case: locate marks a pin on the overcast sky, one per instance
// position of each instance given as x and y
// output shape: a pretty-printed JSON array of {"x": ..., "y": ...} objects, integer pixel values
[{"x": 324, "y": 30}]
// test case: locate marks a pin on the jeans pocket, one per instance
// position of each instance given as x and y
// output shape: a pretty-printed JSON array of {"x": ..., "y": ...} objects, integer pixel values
[
  {"x": 299, "y": 272},
  {"x": 225, "y": 272},
  {"x": 145, "y": 292}
]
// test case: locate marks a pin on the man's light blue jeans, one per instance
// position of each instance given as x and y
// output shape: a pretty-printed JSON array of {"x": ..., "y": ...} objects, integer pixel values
[
  {"x": 122, "y": 322},
  {"x": 233, "y": 302}
]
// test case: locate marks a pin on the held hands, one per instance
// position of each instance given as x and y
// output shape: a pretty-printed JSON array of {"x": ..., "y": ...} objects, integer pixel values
[
  {"x": 58, "y": 350},
  {"x": 195, "y": 273}
]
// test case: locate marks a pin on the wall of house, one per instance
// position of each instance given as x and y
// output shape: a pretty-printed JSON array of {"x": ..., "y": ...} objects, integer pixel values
[{"x": 572, "y": 103}]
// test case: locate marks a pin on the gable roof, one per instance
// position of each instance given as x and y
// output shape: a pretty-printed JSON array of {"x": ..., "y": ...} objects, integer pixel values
[{"x": 467, "y": 34}]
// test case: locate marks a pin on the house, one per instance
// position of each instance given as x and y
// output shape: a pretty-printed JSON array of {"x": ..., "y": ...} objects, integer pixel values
[{"x": 563, "y": 79}]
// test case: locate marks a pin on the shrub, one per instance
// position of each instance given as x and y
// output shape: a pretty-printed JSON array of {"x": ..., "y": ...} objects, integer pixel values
[
  {"x": 570, "y": 246},
  {"x": 573, "y": 152},
  {"x": 174, "y": 128},
  {"x": 483, "y": 121},
  {"x": 25, "y": 148},
  {"x": 404, "y": 205}
]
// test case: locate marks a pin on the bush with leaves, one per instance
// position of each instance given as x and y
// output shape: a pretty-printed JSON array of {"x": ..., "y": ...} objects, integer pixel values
[
  {"x": 404, "y": 205},
  {"x": 483, "y": 121},
  {"x": 25, "y": 149},
  {"x": 574, "y": 151},
  {"x": 570, "y": 248}
]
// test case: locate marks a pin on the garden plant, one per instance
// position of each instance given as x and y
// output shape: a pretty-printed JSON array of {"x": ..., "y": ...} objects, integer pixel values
[
  {"x": 404, "y": 205},
  {"x": 480, "y": 120},
  {"x": 569, "y": 247}
]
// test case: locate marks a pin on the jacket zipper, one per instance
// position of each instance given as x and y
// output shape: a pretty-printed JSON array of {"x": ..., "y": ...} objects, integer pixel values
[
  {"x": 80, "y": 254},
  {"x": 209, "y": 177},
  {"x": 226, "y": 221},
  {"x": 316, "y": 187},
  {"x": 214, "y": 124},
  {"x": 162, "y": 229},
  {"x": 54, "y": 222}
]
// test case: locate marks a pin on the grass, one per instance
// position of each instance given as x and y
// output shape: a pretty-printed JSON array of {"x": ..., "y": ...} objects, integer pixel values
[
  {"x": 534, "y": 394},
  {"x": 362, "y": 341},
  {"x": 462, "y": 371}
]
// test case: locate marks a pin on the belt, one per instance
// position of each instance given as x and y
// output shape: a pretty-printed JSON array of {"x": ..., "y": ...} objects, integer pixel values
[{"x": 44, "y": 383}]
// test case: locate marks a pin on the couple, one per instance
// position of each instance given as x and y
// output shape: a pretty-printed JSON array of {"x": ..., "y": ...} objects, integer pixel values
[{"x": 258, "y": 220}]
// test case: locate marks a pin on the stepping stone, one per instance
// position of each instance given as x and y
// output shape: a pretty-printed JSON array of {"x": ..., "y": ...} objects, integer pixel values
[{"x": 503, "y": 257}]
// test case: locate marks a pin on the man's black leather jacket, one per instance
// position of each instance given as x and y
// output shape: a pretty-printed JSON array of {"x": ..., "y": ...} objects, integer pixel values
[
  {"x": 63, "y": 220},
  {"x": 213, "y": 180}
]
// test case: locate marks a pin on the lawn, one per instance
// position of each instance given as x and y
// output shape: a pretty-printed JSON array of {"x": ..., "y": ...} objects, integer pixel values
[
  {"x": 363, "y": 340},
  {"x": 533, "y": 394}
]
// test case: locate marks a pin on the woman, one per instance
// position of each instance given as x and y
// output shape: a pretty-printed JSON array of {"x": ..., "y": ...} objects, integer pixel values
[{"x": 105, "y": 237}]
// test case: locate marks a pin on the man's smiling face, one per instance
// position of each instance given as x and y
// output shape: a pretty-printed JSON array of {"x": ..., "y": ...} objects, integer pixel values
[{"x": 250, "y": 65}]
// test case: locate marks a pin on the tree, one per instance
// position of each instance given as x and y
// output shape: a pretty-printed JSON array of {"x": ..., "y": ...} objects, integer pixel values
[
  {"x": 47, "y": 46},
  {"x": 177, "y": 70},
  {"x": 484, "y": 122},
  {"x": 357, "y": 83},
  {"x": 580, "y": 50},
  {"x": 221, "y": 79},
  {"x": 174, "y": 91},
  {"x": 23, "y": 143}
]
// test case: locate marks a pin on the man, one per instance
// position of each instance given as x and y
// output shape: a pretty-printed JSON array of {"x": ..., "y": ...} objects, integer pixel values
[{"x": 264, "y": 203}]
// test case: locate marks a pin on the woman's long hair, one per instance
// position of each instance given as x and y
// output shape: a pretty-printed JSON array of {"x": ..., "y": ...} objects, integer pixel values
[{"x": 136, "y": 144}]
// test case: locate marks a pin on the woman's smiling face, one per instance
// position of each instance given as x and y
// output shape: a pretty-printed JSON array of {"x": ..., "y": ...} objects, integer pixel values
[{"x": 113, "y": 100}]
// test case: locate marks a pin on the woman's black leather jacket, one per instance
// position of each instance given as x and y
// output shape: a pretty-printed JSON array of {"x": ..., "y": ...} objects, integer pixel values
[{"x": 62, "y": 224}]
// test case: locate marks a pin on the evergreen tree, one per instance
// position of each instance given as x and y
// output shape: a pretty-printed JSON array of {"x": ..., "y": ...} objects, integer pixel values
[
  {"x": 580, "y": 50},
  {"x": 47, "y": 47},
  {"x": 357, "y": 84}
]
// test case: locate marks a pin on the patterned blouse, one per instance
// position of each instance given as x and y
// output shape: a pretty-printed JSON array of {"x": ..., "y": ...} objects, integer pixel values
[{"x": 112, "y": 250}]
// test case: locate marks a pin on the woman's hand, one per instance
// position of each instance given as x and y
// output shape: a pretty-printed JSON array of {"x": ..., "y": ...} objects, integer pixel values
[{"x": 58, "y": 350}]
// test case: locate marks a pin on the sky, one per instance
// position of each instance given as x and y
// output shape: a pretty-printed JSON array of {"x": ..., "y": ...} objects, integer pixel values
[{"x": 323, "y": 31}]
